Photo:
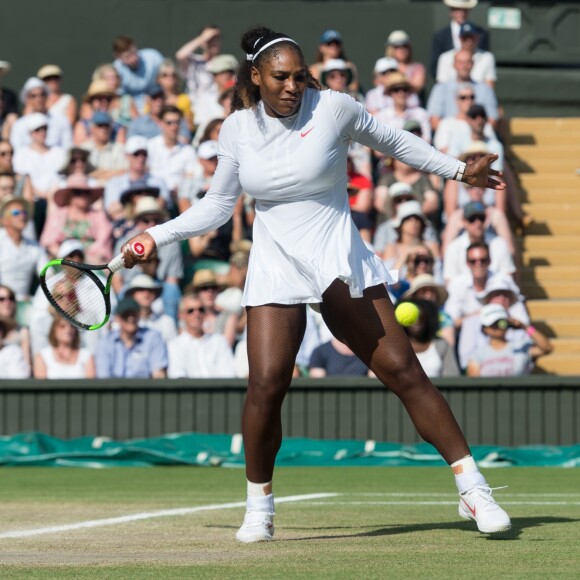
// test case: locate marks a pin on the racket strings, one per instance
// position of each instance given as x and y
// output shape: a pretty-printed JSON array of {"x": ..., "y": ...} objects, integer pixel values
[{"x": 76, "y": 294}]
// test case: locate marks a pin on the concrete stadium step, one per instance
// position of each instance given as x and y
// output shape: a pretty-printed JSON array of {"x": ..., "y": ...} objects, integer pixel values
[
  {"x": 548, "y": 195},
  {"x": 554, "y": 257},
  {"x": 566, "y": 346},
  {"x": 523, "y": 124},
  {"x": 526, "y": 165},
  {"x": 555, "y": 151},
  {"x": 550, "y": 243},
  {"x": 558, "y": 327},
  {"x": 552, "y": 227},
  {"x": 566, "y": 309},
  {"x": 554, "y": 181},
  {"x": 551, "y": 289},
  {"x": 543, "y": 274},
  {"x": 558, "y": 365}
]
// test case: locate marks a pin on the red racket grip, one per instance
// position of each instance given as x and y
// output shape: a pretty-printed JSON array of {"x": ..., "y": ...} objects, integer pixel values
[{"x": 138, "y": 248}]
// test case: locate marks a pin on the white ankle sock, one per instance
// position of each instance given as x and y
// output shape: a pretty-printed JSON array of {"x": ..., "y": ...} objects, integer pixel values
[
  {"x": 260, "y": 497},
  {"x": 467, "y": 474}
]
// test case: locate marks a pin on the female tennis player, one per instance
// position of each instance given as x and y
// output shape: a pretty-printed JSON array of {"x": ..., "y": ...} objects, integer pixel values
[{"x": 286, "y": 145}]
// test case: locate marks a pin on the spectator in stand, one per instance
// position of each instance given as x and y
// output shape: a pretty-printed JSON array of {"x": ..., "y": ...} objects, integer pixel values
[
  {"x": 331, "y": 47},
  {"x": 99, "y": 98},
  {"x": 131, "y": 351},
  {"x": 398, "y": 88},
  {"x": 34, "y": 96},
  {"x": 502, "y": 357},
  {"x": 145, "y": 290},
  {"x": 334, "y": 358},
  {"x": 195, "y": 353},
  {"x": 64, "y": 358},
  {"x": 122, "y": 107},
  {"x": 398, "y": 46},
  {"x": 37, "y": 160},
  {"x": 192, "y": 59},
  {"x": 448, "y": 37},
  {"x": 443, "y": 98},
  {"x": 375, "y": 98},
  {"x": 168, "y": 79},
  {"x": 13, "y": 365},
  {"x": 422, "y": 261},
  {"x": 106, "y": 156},
  {"x": 21, "y": 258},
  {"x": 410, "y": 224},
  {"x": 336, "y": 74},
  {"x": 169, "y": 159},
  {"x": 150, "y": 124},
  {"x": 435, "y": 354},
  {"x": 136, "y": 155},
  {"x": 195, "y": 186},
  {"x": 483, "y": 61},
  {"x": 137, "y": 68},
  {"x": 455, "y": 263},
  {"x": 58, "y": 103},
  {"x": 15, "y": 333},
  {"x": 499, "y": 289},
  {"x": 75, "y": 217},
  {"x": 22, "y": 184},
  {"x": 169, "y": 270}
]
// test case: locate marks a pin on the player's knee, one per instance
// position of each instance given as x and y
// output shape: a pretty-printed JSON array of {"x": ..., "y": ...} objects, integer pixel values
[{"x": 267, "y": 389}]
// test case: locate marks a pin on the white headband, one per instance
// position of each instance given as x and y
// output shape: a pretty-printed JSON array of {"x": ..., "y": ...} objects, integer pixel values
[{"x": 252, "y": 57}]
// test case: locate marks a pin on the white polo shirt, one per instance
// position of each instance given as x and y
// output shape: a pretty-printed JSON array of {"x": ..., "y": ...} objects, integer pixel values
[{"x": 172, "y": 164}]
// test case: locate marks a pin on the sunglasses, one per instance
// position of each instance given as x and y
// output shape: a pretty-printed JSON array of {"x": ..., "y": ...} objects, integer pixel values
[
  {"x": 210, "y": 288},
  {"x": 149, "y": 220},
  {"x": 140, "y": 154},
  {"x": 466, "y": 97},
  {"x": 103, "y": 125},
  {"x": 7, "y": 299},
  {"x": 36, "y": 95},
  {"x": 399, "y": 90},
  {"x": 43, "y": 128},
  {"x": 476, "y": 218},
  {"x": 17, "y": 212},
  {"x": 192, "y": 310},
  {"x": 403, "y": 198},
  {"x": 478, "y": 261},
  {"x": 101, "y": 98},
  {"x": 167, "y": 74},
  {"x": 423, "y": 260}
]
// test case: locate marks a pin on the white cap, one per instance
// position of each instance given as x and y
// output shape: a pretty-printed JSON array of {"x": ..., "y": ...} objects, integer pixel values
[
  {"x": 207, "y": 150},
  {"x": 70, "y": 246},
  {"x": 398, "y": 38},
  {"x": 31, "y": 84},
  {"x": 464, "y": 4},
  {"x": 500, "y": 283},
  {"x": 398, "y": 188},
  {"x": 407, "y": 209},
  {"x": 384, "y": 64},
  {"x": 222, "y": 63},
  {"x": 491, "y": 313},
  {"x": 136, "y": 143},
  {"x": 36, "y": 120},
  {"x": 335, "y": 64}
]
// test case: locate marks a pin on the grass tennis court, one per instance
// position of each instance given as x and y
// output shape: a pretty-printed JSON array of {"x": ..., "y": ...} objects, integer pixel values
[{"x": 382, "y": 522}]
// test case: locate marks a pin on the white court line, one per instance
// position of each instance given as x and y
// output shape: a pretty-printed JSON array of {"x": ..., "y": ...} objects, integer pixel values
[
  {"x": 503, "y": 502},
  {"x": 451, "y": 494},
  {"x": 148, "y": 516}
]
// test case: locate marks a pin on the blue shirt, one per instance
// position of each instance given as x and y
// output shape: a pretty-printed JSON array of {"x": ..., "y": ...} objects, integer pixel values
[
  {"x": 139, "y": 81},
  {"x": 121, "y": 183},
  {"x": 443, "y": 100},
  {"x": 145, "y": 126},
  {"x": 114, "y": 360}
]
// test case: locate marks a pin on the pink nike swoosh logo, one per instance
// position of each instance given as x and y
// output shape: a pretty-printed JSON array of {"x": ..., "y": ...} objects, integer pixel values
[
  {"x": 469, "y": 507},
  {"x": 306, "y": 132}
]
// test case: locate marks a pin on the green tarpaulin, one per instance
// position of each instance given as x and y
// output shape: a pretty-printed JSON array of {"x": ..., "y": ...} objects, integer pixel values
[{"x": 226, "y": 450}]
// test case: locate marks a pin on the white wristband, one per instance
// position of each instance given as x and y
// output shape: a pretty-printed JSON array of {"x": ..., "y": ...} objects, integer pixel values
[{"x": 460, "y": 172}]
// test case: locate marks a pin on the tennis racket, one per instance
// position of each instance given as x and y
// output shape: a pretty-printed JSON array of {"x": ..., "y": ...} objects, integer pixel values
[{"x": 76, "y": 291}]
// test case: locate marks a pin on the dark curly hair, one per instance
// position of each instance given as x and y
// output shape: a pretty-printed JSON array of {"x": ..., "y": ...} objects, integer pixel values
[{"x": 247, "y": 95}]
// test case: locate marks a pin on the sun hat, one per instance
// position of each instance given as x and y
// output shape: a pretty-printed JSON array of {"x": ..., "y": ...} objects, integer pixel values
[
  {"x": 49, "y": 70},
  {"x": 77, "y": 182},
  {"x": 31, "y": 84},
  {"x": 385, "y": 64},
  {"x": 136, "y": 143},
  {"x": 329, "y": 36},
  {"x": 203, "y": 279},
  {"x": 475, "y": 148},
  {"x": 69, "y": 247},
  {"x": 396, "y": 79},
  {"x": 499, "y": 283},
  {"x": 399, "y": 188},
  {"x": 491, "y": 313},
  {"x": 10, "y": 199},
  {"x": 99, "y": 88},
  {"x": 398, "y": 38},
  {"x": 35, "y": 121},
  {"x": 406, "y": 210},
  {"x": 148, "y": 205},
  {"x": 465, "y": 4},
  {"x": 143, "y": 282},
  {"x": 427, "y": 281},
  {"x": 336, "y": 64},
  {"x": 222, "y": 63},
  {"x": 207, "y": 150},
  {"x": 77, "y": 152},
  {"x": 139, "y": 188}
]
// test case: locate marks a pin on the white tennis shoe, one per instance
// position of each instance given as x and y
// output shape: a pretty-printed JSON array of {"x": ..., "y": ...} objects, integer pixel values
[
  {"x": 257, "y": 527},
  {"x": 478, "y": 505}
]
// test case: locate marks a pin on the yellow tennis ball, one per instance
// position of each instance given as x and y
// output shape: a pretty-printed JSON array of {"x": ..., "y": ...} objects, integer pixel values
[{"x": 406, "y": 313}]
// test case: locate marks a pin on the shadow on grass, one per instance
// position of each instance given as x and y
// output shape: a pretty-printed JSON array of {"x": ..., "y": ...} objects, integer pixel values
[{"x": 519, "y": 525}]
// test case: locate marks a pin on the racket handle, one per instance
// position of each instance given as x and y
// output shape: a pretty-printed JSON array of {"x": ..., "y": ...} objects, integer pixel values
[{"x": 118, "y": 262}]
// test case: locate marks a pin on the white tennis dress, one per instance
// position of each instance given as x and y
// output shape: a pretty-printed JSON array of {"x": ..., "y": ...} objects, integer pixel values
[{"x": 295, "y": 169}]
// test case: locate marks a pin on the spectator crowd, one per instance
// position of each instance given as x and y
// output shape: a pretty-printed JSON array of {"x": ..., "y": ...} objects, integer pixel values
[{"x": 78, "y": 178}]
